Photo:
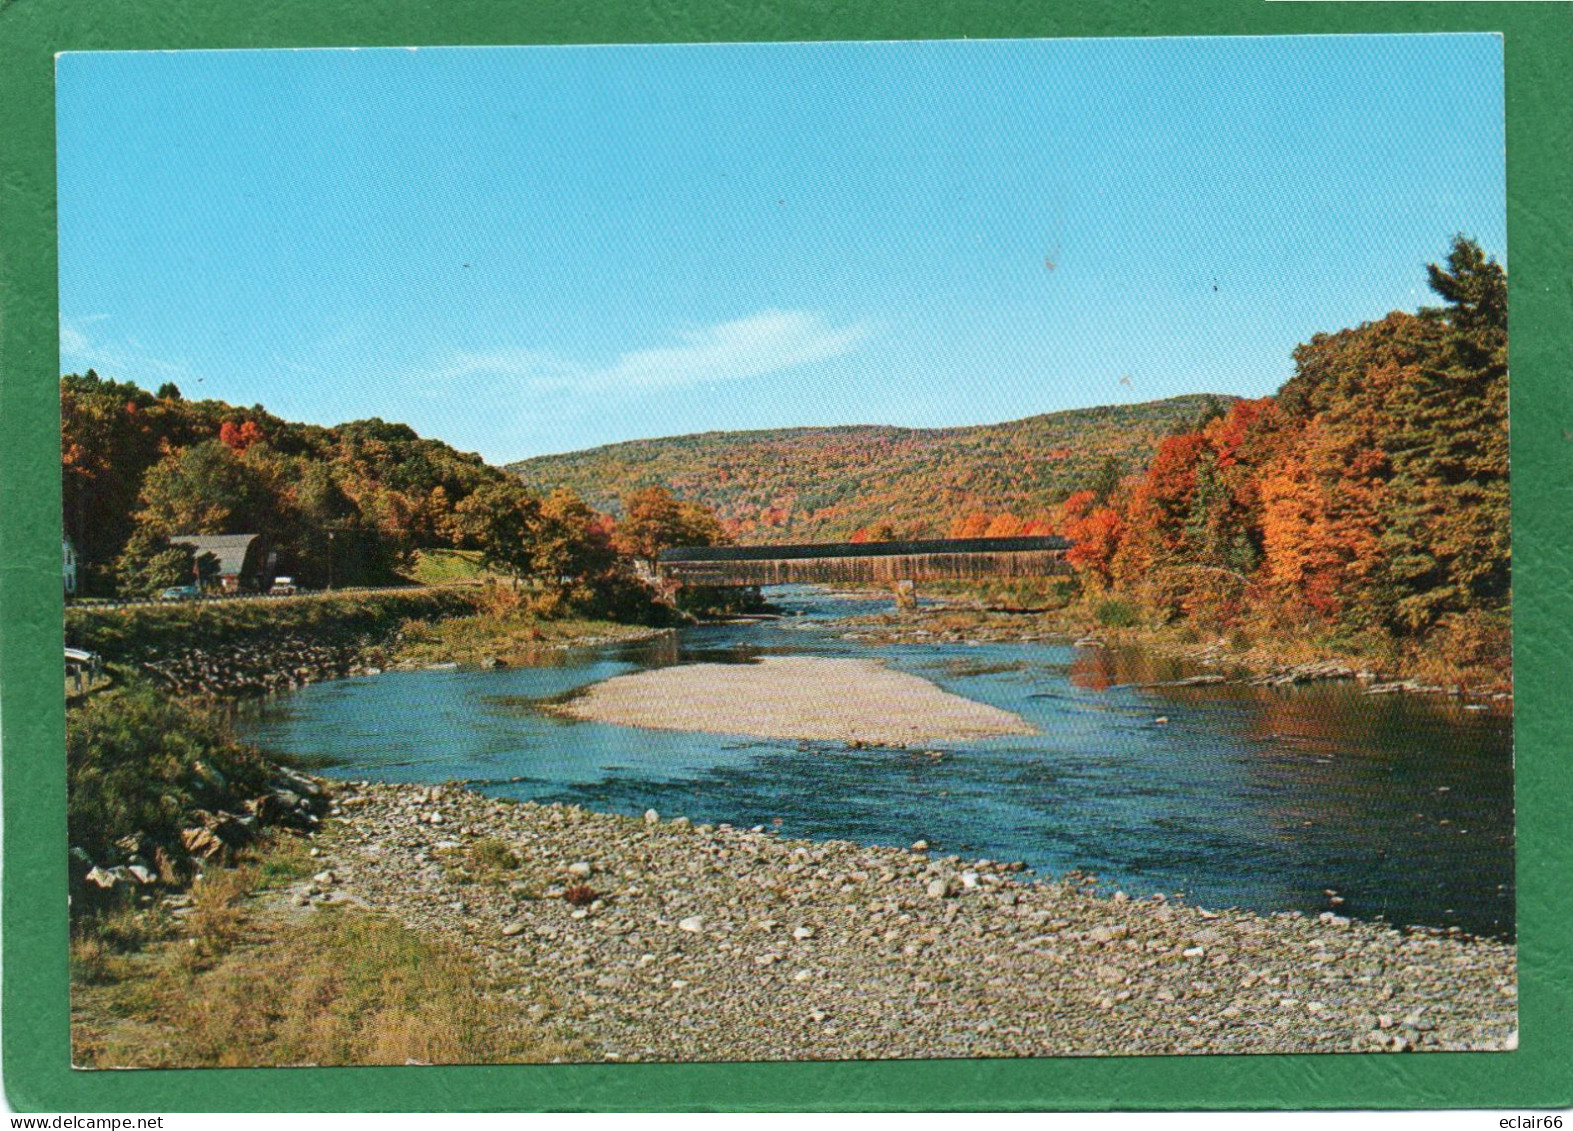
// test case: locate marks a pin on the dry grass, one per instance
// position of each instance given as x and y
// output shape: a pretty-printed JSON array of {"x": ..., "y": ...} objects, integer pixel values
[{"x": 238, "y": 982}]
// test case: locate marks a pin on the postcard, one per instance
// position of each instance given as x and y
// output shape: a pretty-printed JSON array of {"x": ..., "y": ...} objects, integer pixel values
[{"x": 815, "y": 552}]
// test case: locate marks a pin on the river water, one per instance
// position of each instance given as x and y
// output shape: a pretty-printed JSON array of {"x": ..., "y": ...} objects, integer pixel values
[{"x": 1266, "y": 798}]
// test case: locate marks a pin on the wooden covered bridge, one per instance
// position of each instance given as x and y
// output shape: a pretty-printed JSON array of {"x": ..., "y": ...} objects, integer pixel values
[{"x": 881, "y": 563}]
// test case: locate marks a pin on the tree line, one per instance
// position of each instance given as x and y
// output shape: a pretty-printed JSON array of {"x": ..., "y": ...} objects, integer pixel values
[
  {"x": 1369, "y": 495},
  {"x": 346, "y": 505}
]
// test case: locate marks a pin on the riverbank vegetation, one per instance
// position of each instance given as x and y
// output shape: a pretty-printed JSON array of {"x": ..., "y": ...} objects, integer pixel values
[
  {"x": 184, "y": 948},
  {"x": 141, "y": 768},
  {"x": 129, "y": 634},
  {"x": 504, "y": 637}
]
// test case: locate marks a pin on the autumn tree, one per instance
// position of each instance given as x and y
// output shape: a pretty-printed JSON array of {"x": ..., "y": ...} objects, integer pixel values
[
  {"x": 109, "y": 438},
  {"x": 500, "y": 521},
  {"x": 239, "y": 437},
  {"x": 1094, "y": 530},
  {"x": 972, "y": 525},
  {"x": 1003, "y": 525},
  {"x": 654, "y": 520},
  {"x": 204, "y": 489},
  {"x": 875, "y": 532},
  {"x": 572, "y": 542}
]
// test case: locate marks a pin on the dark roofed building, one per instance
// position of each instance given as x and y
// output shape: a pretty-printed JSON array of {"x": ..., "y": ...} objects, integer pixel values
[{"x": 240, "y": 560}]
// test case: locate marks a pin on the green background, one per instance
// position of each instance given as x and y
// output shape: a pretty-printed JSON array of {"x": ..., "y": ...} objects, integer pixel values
[{"x": 1539, "y": 51}]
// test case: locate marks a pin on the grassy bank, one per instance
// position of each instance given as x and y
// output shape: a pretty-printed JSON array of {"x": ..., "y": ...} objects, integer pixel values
[
  {"x": 510, "y": 638},
  {"x": 449, "y": 567},
  {"x": 235, "y": 974},
  {"x": 126, "y": 635}
]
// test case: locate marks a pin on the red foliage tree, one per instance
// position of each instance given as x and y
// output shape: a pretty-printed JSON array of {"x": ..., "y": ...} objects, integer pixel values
[{"x": 239, "y": 437}]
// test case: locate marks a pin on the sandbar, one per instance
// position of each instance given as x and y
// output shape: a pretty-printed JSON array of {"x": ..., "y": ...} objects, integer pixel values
[{"x": 803, "y": 697}]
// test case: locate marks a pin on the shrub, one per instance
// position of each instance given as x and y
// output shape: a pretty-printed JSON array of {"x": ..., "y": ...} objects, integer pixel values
[
  {"x": 1476, "y": 639},
  {"x": 140, "y": 763},
  {"x": 1115, "y": 613},
  {"x": 619, "y": 596},
  {"x": 493, "y": 854},
  {"x": 548, "y": 604},
  {"x": 498, "y": 601},
  {"x": 720, "y": 600}
]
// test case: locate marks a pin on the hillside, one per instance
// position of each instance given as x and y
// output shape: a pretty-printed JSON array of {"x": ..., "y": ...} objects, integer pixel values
[{"x": 815, "y": 484}]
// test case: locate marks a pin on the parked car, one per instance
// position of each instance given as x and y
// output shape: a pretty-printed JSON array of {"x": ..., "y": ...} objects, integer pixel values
[
  {"x": 180, "y": 593},
  {"x": 283, "y": 587}
]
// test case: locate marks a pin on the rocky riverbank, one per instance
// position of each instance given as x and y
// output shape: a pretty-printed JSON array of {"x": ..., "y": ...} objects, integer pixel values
[
  {"x": 227, "y": 649},
  {"x": 243, "y": 669},
  {"x": 659, "y": 940}
]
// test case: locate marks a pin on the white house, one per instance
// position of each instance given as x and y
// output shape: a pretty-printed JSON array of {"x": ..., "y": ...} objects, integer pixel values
[{"x": 69, "y": 554}]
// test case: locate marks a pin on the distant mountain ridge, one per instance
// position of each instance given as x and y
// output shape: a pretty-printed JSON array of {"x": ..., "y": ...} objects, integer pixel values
[{"x": 823, "y": 483}]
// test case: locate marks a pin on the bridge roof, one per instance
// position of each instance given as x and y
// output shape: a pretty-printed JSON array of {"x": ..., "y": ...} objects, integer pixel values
[{"x": 859, "y": 549}]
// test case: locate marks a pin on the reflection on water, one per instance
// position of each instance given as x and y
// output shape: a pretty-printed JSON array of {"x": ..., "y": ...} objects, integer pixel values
[{"x": 1267, "y": 798}]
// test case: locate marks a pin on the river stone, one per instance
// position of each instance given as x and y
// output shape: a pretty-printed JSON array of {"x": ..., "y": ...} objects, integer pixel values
[
  {"x": 651, "y": 817},
  {"x": 983, "y": 975},
  {"x": 581, "y": 869},
  {"x": 693, "y": 923}
]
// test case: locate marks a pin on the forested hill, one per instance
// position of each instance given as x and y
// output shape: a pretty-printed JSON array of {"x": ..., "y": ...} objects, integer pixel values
[{"x": 812, "y": 484}]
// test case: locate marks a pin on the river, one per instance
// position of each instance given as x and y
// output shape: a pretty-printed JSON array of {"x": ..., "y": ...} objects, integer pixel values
[{"x": 1314, "y": 797}]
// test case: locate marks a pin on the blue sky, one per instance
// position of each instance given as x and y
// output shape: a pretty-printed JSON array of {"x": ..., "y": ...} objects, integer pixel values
[{"x": 529, "y": 250}]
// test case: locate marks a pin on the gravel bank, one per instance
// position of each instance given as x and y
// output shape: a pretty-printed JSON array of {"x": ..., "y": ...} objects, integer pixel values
[
  {"x": 699, "y": 943},
  {"x": 836, "y": 700}
]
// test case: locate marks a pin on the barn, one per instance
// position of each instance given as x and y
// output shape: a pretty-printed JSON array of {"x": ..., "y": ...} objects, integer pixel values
[{"x": 232, "y": 561}]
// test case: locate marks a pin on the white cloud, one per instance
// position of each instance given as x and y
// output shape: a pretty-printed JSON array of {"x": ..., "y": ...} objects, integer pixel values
[
  {"x": 123, "y": 361},
  {"x": 73, "y": 343},
  {"x": 766, "y": 342}
]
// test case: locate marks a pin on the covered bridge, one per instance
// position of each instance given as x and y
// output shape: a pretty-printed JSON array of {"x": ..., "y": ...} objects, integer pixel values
[{"x": 888, "y": 563}]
